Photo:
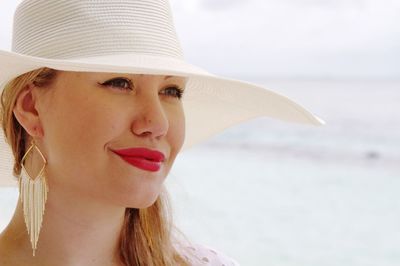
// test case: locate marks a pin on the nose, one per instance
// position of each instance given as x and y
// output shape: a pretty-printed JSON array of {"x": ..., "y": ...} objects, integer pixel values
[{"x": 151, "y": 118}]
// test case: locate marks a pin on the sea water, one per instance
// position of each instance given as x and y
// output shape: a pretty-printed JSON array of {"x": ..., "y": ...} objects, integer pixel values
[{"x": 273, "y": 193}]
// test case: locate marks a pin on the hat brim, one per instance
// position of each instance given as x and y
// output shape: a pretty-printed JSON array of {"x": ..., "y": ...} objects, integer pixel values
[{"x": 211, "y": 103}]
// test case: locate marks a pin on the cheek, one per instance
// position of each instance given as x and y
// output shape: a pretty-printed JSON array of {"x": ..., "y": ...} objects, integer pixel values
[{"x": 78, "y": 133}]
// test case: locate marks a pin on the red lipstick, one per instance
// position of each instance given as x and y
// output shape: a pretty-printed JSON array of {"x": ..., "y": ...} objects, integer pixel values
[{"x": 143, "y": 158}]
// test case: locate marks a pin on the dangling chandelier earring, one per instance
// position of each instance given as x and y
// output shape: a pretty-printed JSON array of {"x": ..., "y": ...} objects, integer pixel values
[{"x": 33, "y": 193}]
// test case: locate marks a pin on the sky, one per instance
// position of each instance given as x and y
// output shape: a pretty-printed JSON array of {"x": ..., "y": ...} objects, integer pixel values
[{"x": 281, "y": 38}]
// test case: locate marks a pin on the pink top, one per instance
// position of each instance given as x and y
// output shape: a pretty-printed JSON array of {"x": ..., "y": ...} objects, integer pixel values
[{"x": 199, "y": 254}]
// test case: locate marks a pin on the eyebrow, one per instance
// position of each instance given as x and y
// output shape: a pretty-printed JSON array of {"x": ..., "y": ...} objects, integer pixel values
[{"x": 166, "y": 77}]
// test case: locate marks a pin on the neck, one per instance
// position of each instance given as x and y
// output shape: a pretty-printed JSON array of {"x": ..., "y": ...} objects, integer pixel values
[{"x": 74, "y": 232}]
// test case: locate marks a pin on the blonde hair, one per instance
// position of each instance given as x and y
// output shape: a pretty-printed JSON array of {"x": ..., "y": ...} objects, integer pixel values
[{"x": 146, "y": 237}]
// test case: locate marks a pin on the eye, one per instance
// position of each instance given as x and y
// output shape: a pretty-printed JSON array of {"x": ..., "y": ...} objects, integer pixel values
[
  {"x": 174, "y": 91},
  {"x": 121, "y": 83}
]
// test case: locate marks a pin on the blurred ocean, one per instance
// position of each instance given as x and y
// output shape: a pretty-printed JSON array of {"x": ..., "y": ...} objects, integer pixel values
[{"x": 272, "y": 193}]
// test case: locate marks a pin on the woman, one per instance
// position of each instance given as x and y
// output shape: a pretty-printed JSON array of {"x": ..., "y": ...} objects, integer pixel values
[{"x": 97, "y": 102}]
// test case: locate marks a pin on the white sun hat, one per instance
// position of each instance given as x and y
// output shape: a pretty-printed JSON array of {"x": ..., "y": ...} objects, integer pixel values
[{"x": 132, "y": 36}]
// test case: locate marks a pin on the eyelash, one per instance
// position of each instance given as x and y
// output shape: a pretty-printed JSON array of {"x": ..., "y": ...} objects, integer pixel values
[{"x": 179, "y": 91}]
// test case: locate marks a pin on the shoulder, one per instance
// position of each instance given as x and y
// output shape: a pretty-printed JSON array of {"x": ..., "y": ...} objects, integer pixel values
[{"x": 200, "y": 254}]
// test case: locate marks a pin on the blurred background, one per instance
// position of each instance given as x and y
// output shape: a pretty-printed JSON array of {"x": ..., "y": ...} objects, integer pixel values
[{"x": 267, "y": 192}]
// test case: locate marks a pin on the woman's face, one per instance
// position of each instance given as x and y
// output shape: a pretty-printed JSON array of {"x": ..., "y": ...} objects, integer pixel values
[{"x": 87, "y": 115}]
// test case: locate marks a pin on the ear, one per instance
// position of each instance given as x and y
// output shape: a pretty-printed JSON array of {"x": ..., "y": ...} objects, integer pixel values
[{"x": 25, "y": 111}]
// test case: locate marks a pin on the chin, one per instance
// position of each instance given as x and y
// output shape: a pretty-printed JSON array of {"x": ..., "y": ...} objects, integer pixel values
[{"x": 145, "y": 202}]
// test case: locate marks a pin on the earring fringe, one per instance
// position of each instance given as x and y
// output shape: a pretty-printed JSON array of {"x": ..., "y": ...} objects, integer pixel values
[{"x": 33, "y": 193}]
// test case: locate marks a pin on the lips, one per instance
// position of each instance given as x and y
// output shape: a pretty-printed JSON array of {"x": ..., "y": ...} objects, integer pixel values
[
  {"x": 143, "y": 158},
  {"x": 152, "y": 155}
]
